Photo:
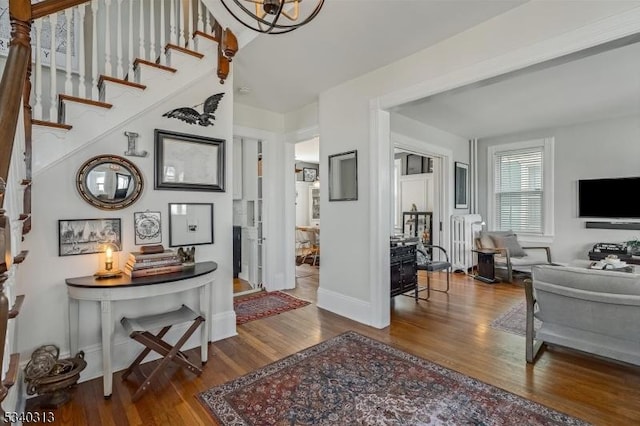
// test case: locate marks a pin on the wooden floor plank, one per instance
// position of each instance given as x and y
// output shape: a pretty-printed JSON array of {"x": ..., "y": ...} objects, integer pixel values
[{"x": 450, "y": 329}]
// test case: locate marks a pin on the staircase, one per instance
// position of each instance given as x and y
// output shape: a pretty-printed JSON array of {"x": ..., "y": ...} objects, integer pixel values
[
  {"x": 122, "y": 57},
  {"x": 108, "y": 62}
]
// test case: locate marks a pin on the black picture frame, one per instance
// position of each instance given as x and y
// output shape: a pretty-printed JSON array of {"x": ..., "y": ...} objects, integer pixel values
[
  {"x": 414, "y": 164},
  {"x": 188, "y": 162},
  {"x": 190, "y": 224},
  {"x": 147, "y": 227},
  {"x": 309, "y": 174},
  {"x": 85, "y": 236},
  {"x": 343, "y": 176},
  {"x": 461, "y": 175}
]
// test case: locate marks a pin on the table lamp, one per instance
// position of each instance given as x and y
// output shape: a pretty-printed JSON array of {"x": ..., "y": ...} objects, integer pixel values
[{"x": 108, "y": 265}]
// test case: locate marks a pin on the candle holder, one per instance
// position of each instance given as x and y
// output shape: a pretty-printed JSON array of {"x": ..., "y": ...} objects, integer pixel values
[{"x": 108, "y": 261}]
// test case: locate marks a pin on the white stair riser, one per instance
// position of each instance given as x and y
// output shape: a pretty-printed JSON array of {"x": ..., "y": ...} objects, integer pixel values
[{"x": 114, "y": 92}]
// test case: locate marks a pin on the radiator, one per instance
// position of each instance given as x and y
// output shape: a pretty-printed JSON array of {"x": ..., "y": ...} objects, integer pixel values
[{"x": 464, "y": 228}]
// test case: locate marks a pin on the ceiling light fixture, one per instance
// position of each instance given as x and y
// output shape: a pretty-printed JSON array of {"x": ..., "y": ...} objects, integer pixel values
[{"x": 266, "y": 18}]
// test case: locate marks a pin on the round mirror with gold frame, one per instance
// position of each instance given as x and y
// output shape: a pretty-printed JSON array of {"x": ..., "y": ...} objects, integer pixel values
[{"x": 109, "y": 182}]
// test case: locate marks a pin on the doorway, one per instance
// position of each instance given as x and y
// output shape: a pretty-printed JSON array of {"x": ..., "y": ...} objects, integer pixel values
[
  {"x": 248, "y": 216},
  {"x": 307, "y": 201}
]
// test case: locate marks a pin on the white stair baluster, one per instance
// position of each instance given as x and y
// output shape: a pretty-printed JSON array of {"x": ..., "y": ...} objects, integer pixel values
[
  {"x": 131, "y": 77},
  {"x": 37, "y": 108},
  {"x": 163, "y": 40},
  {"x": 199, "y": 7},
  {"x": 107, "y": 40},
  {"x": 53, "y": 108},
  {"x": 173, "y": 35},
  {"x": 119, "y": 68},
  {"x": 189, "y": 35},
  {"x": 94, "y": 50},
  {"x": 207, "y": 23},
  {"x": 152, "y": 32},
  {"x": 68, "y": 86},
  {"x": 181, "y": 24},
  {"x": 82, "y": 89},
  {"x": 142, "y": 51}
]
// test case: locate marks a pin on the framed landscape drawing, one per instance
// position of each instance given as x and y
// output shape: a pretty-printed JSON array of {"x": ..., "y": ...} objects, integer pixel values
[
  {"x": 188, "y": 162},
  {"x": 86, "y": 236}
]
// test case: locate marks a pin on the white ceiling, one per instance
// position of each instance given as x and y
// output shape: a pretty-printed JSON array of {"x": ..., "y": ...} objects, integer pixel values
[
  {"x": 347, "y": 39},
  {"x": 597, "y": 87}
]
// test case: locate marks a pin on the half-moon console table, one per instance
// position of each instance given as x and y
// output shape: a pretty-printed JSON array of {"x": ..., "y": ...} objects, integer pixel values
[{"x": 109, "y": 290}]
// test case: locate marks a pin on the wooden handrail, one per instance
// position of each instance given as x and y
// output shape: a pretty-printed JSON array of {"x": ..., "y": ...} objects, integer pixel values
[
  {"x": 13, "y": 80},
  {"x": 47, "y": 7}
]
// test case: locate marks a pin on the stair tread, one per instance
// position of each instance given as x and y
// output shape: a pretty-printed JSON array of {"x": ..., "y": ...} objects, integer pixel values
[
  {"x": 70, "y": 98},
  {"x": 205, "y": 35},
  {"x": 153, "y": 64},
  {"x": 184, "y": 50},
  {"x": 104, "y": 78},
  {"x": 52, "y": 124}
]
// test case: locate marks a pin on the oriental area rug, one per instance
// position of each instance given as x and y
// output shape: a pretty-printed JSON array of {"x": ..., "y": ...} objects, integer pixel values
[
  {"x": 515, "y": 320},
  {"x": 265, "y": 304},
  {"x": 354, "y": 380}
]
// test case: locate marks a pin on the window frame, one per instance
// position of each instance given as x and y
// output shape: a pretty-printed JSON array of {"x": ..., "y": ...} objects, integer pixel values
[{"x": 547, "y": 147}]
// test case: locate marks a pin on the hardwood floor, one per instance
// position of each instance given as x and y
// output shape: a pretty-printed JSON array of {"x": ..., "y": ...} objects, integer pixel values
[
  {"x": 240, "y": 285},
  {"x": 451, "y": 329}
]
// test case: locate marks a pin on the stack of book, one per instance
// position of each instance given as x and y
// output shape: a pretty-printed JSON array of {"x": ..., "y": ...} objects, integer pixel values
[{"x": 147, "y": 264}]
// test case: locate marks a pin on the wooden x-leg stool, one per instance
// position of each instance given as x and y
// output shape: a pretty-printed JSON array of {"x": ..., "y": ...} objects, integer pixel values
[{"x": 137, "y": 328}]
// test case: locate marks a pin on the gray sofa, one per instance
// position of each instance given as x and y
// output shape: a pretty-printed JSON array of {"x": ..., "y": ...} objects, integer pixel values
[{"x": 593, "y": 311}]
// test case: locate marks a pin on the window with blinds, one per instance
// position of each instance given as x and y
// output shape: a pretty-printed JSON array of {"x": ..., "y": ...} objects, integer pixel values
[{"x": 519, "y": 190}]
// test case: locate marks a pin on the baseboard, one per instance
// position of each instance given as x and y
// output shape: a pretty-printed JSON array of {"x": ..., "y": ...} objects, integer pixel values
[
  {"x": 346, "y": 306},
  {"x": 224, "y": 325}
]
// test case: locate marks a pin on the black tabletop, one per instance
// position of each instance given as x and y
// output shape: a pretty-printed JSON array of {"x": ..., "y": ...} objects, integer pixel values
[{"x": 199, "y": 269}]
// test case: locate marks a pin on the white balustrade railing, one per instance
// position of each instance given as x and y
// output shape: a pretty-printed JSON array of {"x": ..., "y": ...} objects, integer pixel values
[{"x": 105, "y": 37}]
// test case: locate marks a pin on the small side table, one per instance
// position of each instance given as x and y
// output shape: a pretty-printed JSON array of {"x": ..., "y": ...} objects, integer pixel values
[{"x": 486, "y": 271}]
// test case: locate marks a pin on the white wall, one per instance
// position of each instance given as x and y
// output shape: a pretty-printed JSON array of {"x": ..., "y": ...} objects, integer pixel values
[
  {"x": 345, "y": 124},
  {"x": 256, "y": 118},
  {"x": 599, "y": 149},
  {"x": 44, "y": 317}
]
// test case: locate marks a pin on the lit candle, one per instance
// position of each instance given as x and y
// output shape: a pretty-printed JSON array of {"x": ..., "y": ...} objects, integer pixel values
[{"x": 108, "y": 261}]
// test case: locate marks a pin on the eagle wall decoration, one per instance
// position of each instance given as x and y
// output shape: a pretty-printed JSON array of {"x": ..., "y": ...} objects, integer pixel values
[{"x": 191, "y": 116}]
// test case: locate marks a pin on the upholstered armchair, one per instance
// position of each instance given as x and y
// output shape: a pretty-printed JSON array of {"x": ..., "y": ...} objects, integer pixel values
[{"x": 510, "y": 256}]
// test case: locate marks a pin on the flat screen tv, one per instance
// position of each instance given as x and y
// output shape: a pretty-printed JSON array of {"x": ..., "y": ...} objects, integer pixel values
[{"x": 609, "y": 198}]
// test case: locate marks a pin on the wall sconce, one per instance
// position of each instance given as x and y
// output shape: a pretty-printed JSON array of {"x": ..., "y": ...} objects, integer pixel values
[{"x": 108, "y": 261}]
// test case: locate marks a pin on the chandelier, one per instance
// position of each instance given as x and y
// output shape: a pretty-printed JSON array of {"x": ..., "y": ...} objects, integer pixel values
[{"x": 270, "y": 15}]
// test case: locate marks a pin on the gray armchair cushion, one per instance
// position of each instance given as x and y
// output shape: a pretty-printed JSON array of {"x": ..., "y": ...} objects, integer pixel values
[{"x": 509, "y": 242}]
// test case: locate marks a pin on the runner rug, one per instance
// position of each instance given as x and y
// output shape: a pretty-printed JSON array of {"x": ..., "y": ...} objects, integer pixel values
[
  {"x": 515, "y": 320},
  {"x": 354, "y": 380},
  {"x": 264, "y": 304}
]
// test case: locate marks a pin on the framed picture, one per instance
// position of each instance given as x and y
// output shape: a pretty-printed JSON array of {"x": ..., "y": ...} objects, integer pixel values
[
  {"x": 86, "y": 236},
  {"x": 414, "y": 164},
  {"x": 188, "y": 162},
  {"x": 190, "y": 224},
  {"x": 309, "y": 174},
  {"x": 147, "y": 227},
  {"x": 343, "y": 176},
  {"x": 462, "y": 185}
]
